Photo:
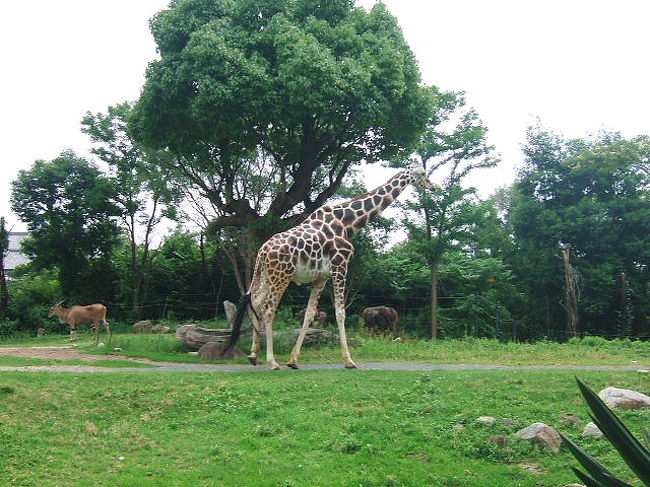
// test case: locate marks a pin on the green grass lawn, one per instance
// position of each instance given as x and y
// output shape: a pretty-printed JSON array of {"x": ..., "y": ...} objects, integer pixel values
[
  {"x": 292, "y": 429},
  {"x": 587, "y": 351}
]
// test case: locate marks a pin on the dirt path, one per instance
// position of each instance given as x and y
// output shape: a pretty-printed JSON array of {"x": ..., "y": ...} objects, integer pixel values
[
  {"x": 60, "y": 353},
  {"x": 65, "y": 353}
]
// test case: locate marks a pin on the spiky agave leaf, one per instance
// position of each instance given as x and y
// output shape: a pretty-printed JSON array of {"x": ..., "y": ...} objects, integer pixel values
[
  {"x": 630, "y": 449},
  {"x": 600, "y": 476}
]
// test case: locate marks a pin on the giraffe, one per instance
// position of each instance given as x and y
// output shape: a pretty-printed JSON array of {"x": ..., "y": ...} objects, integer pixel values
[{"x": 313, "y": 252}]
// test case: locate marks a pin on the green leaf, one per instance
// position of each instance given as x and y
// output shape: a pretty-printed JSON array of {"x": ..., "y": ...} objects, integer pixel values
[{"x": 631, "y": 450}]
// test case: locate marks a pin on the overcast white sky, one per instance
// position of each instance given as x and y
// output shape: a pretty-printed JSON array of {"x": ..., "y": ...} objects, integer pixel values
[{"x": 578, "y": 65}]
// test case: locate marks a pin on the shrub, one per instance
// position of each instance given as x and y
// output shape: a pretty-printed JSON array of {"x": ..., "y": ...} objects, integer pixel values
[{"x": 30, "y": 298}]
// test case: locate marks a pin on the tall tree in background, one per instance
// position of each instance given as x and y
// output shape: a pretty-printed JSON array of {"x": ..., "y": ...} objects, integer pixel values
[
  {"x": 143, "y": 190},
  {"x": 266, "y": 105},
  {"x": 454, "y": 145},
  {"x": 67, "y": 206},
  {"x": 591, "y": 194},
  {"x": 4, "y": 248}
]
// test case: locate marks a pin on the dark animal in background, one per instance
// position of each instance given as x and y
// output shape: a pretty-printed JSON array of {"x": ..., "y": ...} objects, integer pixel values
[
  {"x": 380, "y": 318},
  {"x": 320, "y": 318}
]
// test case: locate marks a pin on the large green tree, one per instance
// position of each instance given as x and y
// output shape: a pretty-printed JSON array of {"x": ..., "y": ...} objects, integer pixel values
[
  {"x": 267, "y": 104},
  {"x": 455, "y": 144},
  {"x": 68, "y": 208},
  {"x": 143, "y": 191},
  {"x": 592, "y": 196}
]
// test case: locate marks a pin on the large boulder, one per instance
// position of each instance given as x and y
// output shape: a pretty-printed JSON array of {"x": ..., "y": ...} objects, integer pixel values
[
  {"x": 194, "y": 337},
  {"x": 160, "y": 329},
  {"x": 316, "y": 336},
  {"x": 217, "y": 350},
  {"x": 624, "y": 398},
  {"x": 541, "y": 434},
  {"x": 143, "y": 326}
]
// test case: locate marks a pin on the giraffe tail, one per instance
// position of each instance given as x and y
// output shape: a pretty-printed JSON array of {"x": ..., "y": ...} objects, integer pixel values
[{"x": 242, "y": 307}]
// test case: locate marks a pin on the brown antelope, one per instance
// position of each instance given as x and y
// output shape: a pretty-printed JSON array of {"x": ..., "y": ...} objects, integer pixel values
[{"x": 93, "y": 314}]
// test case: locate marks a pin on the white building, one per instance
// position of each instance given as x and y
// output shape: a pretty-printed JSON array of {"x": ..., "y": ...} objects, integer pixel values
[{"x": 14, "y": 256}]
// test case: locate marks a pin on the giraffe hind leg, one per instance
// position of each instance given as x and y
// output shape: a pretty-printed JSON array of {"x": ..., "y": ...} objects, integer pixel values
[{"x": 309, "y": 315}]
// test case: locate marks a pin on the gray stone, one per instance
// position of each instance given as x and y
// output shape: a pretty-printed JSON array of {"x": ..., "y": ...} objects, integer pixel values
[
  {"x": 216, "y": 350},
  {"x": 570, "y": 418},
  {"x": 143, "y": 326},
  {"x": 541, "y": 434},
  {"x": 592, "y": 431},
  {"x": 231, "y": 310},
  {"x": 160, "y": 329},
  {"x": 624, "y": 398},
  {"x": 486, "y": 419}
]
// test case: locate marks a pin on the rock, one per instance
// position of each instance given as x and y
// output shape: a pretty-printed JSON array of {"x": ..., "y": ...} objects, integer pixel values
[
  {"x": 592, "y": 431},
  {"x": 510, "y": 422},
  {"x": 486, "y": 419},
  {"x": 231, "y": 310},
  {"x": 541, "y": 434},
  {"x": 216, "y": 350},
  {"x": 624, "y": 398},
  {"x": 570, "y": 418},
  {"x": 194, "y": 337},
  {"x": 315, "y": 336},
  {"x": 573, "y": 485},
  {"x": 498, "y": 440},
  {"x": 143, "y": 326},
  {"x": 160, "y": 329}
]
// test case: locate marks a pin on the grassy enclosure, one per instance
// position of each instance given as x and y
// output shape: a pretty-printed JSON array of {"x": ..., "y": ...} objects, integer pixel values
[
  {"x": 365, "y": 348},
  {"x": 306, "y": 428}
]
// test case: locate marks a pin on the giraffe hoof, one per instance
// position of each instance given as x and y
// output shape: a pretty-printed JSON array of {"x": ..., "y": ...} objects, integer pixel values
[
  {"x": 351, "y": 366},
  {"x": 252, "y": 360},
  {"x": 275, "y": 367},
  {"x": 292, "y": 366}
]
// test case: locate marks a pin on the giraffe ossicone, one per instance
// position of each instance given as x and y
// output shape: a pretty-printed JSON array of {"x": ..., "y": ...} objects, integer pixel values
[{"x": 313, "y": 252}]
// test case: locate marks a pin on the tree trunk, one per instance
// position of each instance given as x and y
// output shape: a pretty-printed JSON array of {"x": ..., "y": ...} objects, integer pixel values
[
  {"x": 572, "y": 293},
  {"x": 434, "y": 300}
]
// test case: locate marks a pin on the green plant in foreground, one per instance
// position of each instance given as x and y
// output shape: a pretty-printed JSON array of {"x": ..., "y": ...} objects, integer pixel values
[{"x": 631, "y": 450}]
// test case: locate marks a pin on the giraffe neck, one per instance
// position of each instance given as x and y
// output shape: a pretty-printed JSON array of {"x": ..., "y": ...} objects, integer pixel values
[{"x": 356, "y": 213}]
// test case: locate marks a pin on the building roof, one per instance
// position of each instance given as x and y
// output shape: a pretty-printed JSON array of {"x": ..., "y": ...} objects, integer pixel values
[{"x": 14, "y": 256}]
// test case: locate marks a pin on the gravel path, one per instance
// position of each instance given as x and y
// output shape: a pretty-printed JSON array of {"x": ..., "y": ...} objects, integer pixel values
[
  {"x": 422, "y": 367},
  {"x": 62, "y": 353}
]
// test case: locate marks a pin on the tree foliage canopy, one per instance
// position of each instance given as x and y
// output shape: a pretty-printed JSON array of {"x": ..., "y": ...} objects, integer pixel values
[
  {"x": 67, "y": 206},
  {"x": 309, "y": 87}
]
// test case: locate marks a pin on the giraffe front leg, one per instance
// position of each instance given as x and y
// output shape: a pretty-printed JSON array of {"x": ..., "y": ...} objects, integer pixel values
[
  {"x": 339, "y": 304},
  {"x": 309, "y": 316}
]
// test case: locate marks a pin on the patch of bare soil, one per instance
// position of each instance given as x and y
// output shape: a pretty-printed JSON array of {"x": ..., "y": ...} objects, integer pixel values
[{"x": 57, "y": 353}]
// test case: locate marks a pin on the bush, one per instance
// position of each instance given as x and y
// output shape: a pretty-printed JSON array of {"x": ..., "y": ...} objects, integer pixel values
[{"x": 31, "y": 296}]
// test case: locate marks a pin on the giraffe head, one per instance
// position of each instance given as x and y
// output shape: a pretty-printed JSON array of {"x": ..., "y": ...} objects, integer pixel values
[{"x": 417, "y": 176}]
